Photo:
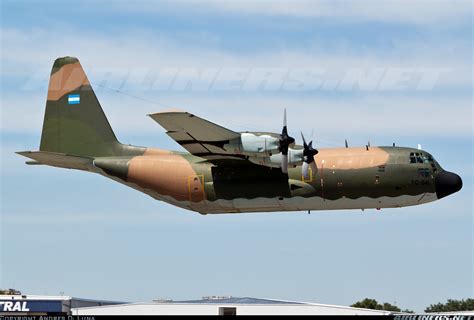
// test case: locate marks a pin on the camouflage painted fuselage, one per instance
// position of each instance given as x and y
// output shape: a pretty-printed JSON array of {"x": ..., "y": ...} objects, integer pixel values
[{"x": 347, "y": 178}]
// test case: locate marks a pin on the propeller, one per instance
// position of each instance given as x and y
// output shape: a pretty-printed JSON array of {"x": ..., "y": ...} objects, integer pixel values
[
  {"x": 284, "y": 143},
  {"x": 308, "y": 158}
]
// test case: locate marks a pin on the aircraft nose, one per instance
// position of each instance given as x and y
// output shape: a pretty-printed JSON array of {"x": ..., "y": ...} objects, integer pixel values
[{"x": 447, "y": 183}]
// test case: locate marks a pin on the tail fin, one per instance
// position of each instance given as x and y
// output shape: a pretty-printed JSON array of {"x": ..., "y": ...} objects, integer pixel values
[{"x": 74, "y": 123}]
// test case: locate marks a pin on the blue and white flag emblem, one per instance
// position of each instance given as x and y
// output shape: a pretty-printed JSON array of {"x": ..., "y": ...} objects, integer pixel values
[{"x": 73, "y": 99}]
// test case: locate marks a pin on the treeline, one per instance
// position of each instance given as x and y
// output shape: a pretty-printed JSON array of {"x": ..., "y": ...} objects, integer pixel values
[
  {"x": 9, "y": 291},
  {"x": 450, "y": 305}
]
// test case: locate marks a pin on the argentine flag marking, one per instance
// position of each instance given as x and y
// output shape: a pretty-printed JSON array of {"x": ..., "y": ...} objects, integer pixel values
[{"x": 73, "y": 99}]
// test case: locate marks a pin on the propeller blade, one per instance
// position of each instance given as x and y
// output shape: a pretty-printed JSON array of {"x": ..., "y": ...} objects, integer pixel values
[
  {"x": 302, "y": 137},
  {"x": 284, "y": 143},
  {"x": 308, "y": 158},
  {"x": 284, "y": 163},
  {"x": 313, "y": 166},
  {"x": 305, "y": 170}
]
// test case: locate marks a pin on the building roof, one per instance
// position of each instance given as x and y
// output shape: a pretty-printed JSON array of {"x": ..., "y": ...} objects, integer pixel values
[
  {"x": 212, "y": 306},
  {"x": 54, "y": 298},
  {"x": 233, "y": 300}
]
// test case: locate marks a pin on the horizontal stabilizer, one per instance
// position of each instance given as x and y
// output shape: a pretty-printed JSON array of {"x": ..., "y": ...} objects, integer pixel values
[{"x": 58, "y": 160}]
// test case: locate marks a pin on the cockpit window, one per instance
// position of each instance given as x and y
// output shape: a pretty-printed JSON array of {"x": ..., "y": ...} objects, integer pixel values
[
  {"x": 415, "y": 157},
  {"x": 419, "y": 157}
]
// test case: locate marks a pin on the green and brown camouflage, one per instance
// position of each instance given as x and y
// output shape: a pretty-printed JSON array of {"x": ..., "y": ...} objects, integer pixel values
[
  {"x": 83, "y": 131},
  {"x": 218, "y": 176}
]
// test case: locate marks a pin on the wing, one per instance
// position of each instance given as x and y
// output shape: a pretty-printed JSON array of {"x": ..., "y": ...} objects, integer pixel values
[{"x": 198, "y": 136}]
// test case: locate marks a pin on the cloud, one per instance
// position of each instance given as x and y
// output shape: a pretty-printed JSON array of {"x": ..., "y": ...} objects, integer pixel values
[
  {"x": 420, "y": 12},
  {"x": 171, "y": 64},
  {"x": 144, "y": 48},
  {"x": 370, "y": 116},
  {"x": 361, "y": 93}
]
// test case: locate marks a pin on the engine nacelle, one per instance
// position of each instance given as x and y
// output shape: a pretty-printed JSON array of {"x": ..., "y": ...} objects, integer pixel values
[
  {"x": 295, "y": 158},
  {"x": 255, "y": 144},
  {"x": 259, "y": 145}
]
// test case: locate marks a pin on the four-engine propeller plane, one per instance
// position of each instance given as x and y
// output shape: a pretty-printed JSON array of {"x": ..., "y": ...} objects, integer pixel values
[{"x": 227, "y": 171}]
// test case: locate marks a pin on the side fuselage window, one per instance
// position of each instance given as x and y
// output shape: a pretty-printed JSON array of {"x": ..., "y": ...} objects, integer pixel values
[{"x": 424, "y": 172}]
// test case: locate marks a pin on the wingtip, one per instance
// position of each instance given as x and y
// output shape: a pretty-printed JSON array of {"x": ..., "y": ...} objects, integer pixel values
[{"x": 22, "y": 153}]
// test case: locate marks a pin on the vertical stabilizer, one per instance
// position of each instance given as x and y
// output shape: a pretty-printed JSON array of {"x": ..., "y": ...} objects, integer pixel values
[{"x": 74, "y": 122}]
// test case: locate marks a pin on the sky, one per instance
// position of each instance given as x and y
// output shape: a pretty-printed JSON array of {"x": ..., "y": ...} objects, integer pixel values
[{"x": 378, "y": 71}]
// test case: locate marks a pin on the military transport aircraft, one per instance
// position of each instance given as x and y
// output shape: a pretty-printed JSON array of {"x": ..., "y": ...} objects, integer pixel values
[{"x": 227, "y": 171}]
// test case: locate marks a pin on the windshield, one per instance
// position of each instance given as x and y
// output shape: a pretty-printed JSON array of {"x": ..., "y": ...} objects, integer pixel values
[{"x": 420, "y": 157}]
